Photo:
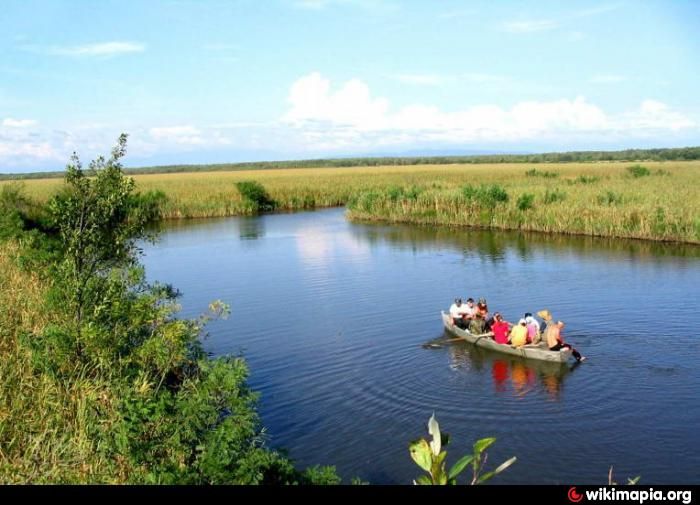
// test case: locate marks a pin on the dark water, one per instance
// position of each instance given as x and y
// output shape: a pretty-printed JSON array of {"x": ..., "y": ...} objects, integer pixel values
[{"x": 331, "y": 317}]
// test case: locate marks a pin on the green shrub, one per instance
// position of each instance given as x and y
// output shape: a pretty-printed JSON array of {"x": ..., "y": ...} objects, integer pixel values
[
  {"x": 487, "y": 196},
  {"x": 431, "y": 457},
  {"x": 541, "y": 173},
  {"x": 256, "y": 196},
  {"x": 638, "y": 171},
  {"x": 525, "y": 201}
]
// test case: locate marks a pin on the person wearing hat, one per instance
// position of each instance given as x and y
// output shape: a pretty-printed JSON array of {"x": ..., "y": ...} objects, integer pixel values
[
  {"x": 555, "y": 342},
  {"x": 457, "y": 314},
  {"x": 518, "y": 335},
  {"x": 546, "y": 319},
  {"x": 483, "y": 310}
]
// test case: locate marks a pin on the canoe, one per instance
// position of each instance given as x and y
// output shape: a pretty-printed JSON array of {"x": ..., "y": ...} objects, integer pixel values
[{"x": 529, "y": 351}]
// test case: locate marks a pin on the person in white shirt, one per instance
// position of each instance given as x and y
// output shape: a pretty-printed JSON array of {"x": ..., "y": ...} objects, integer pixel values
[
  {"x": 456, "y": 312},
  {"x": 468, "y": 310}
]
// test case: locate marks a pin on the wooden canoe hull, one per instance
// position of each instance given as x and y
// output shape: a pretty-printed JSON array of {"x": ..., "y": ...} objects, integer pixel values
[{"x": 539, "y": 352}]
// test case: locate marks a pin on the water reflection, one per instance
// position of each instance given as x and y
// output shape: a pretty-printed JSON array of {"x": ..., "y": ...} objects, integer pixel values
[
  {"x": 495, "y": 245},
  {"x": 251, "y": 228},
  {"x": 511, "y": 375}
]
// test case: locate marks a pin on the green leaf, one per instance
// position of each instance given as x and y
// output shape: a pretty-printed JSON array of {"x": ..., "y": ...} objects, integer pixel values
[
  {"x": 423, "y": 480},
  {"x": 421, "y": 454},
  {"x": 458, "y": 467},
  {"x": 481, "y": 445},
  {"x": 498, "y": 470}
]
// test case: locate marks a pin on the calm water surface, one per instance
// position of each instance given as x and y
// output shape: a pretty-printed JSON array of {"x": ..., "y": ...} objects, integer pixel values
[{"x": 332, "y": 315}]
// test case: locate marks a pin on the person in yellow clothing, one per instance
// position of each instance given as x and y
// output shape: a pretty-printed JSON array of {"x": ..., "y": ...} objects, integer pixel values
[{"x": 518, "y": 335}]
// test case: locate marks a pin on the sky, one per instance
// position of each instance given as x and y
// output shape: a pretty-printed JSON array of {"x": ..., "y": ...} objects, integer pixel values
[{"x": 208, "y": 81}]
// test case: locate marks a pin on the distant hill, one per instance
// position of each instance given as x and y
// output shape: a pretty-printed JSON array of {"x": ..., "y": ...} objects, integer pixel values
[{"x": 667, "y": 154}]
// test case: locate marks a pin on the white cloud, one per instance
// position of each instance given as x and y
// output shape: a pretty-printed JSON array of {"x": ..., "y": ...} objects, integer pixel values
[
  {"x": 312, "y": 100},
  {"x": 607, "y": 79},
  {"x": 328, "y": 119},
  {"x": 654, "y": 115},
  {"x": 18, "y": 123},
  {"x": 529, "y": 26},
  {"x": 100, "y": 49}
]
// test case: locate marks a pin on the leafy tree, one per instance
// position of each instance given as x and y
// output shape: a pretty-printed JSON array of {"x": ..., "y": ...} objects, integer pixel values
[{"x": 165, "y": 412}]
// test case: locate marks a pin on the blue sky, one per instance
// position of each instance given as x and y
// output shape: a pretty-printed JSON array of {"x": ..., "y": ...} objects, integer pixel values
[{"x": 214, "y": 81}]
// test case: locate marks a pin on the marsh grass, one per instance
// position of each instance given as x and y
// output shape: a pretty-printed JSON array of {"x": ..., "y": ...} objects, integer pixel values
[
  {"x": 431, "y": 194},
  {"x": 45, "y": 422}
]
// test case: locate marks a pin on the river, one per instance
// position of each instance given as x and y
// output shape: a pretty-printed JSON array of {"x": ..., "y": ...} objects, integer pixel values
[{"x": 332, "y": 316}]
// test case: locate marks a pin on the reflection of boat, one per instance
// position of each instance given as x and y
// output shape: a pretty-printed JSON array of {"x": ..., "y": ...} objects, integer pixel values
[
  {"x": 530, "y": 351},
  {"x": 512, "y": 374}
]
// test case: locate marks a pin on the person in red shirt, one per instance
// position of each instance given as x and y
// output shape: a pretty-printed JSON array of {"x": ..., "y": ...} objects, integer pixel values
[{"x": 500, "y": 329}]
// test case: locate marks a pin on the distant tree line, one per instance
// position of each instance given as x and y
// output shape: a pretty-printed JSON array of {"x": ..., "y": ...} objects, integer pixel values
[{"x": 669, "y": 154}]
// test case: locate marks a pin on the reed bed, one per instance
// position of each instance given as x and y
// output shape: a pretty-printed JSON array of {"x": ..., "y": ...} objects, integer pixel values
[{"x": 604, "y": 198}]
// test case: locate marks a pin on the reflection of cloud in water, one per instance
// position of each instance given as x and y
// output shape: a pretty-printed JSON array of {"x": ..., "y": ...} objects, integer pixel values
[{"x": 317, "y": 246}]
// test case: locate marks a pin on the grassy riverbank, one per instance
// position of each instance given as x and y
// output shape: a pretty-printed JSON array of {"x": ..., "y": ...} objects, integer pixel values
[
  {"x": 602, "y": 198},
  {"x": 657, "y": 202},
  {"x": 100, "y": 381}
]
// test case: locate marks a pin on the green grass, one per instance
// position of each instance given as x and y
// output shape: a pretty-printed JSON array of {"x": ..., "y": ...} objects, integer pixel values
[{"x": 432, "y": 194}]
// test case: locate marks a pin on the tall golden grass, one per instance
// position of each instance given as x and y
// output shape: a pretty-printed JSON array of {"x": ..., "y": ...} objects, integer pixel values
[
  {"x": 45, "y": 421},
  {"x": 599, "y": 198}
]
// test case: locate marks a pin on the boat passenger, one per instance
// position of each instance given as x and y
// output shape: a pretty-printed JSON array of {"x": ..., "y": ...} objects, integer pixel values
[
  {"x": 477, "y": 325},
  {"x": 483, "y": 309},
  {"x": 533, "y": 329},
  {"x": 468, "y": 310},
  {"x": 500, "y": 329},
  {"x": 456, "y": 314},
  {"x": 518, "y": 335},
  {"x": 555, "y": 341},
  {"x": 546, "y": 319}
]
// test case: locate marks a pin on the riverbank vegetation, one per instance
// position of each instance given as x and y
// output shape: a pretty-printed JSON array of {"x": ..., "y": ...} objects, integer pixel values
[
  {"x": 659, "y": 201},
  {"x": 99, "y": 380},
  {"x": 632, "y": 201}
]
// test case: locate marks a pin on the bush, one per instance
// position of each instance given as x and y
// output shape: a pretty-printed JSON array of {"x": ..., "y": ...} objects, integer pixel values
[
  {"x": 487, "y": 196},
  {"x": 525, "y": 201},
  {"x": 129, "y": 380},
  {"x": 541, "y": 173},
  {"x": 554, "y": 196},
  {"x": 255, "y": 194},
  {"x": 638, "y": 171}
]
